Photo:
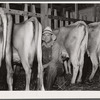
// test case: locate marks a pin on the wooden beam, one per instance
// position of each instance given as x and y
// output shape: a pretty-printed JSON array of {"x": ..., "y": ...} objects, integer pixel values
[
  {"x": 49, "y": 20},
  {"x": 44, "y": 13},
  {"x": 7, "y": 6},
  {"x": 66, "y": 22},
  {"x": 76, "y": 11},
  {"x": 33, "y": 9},
  {"x": 23, "y": 13},
  {"x": 25, "y": 9},
  {"x": 55, "y": 21}
]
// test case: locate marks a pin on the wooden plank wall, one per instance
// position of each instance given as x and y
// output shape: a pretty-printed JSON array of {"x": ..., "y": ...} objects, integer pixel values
[{"x": 47, "y": 19}]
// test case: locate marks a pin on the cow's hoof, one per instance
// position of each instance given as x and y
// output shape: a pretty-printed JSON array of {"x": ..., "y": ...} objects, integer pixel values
[
  {"x": 88, "y": 82},
  {"x": 80, "y": 82},
  {"x": 71, "y": 85}
]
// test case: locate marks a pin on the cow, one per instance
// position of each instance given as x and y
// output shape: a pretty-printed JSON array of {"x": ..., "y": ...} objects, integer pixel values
[
  {"x": 93, "y": 48},
  {"x": 72, "y": 39},
  {"x": 3, "y": 34},
  {"x": 23, "y": 43}
]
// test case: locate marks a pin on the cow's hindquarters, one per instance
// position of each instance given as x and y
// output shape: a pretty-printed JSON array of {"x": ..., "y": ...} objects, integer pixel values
[{"x": 75, "y": 57}]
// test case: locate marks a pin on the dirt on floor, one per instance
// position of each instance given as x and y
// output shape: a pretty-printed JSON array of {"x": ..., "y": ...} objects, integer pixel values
[{"x": 61, "y": 83}]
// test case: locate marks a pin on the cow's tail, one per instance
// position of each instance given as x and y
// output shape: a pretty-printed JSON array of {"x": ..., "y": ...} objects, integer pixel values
[
  {"x": 4, "y": 20},
  {"x": 85, "y": 41},
  {"x": 38, "y": 45},
  {"x": 40, "y": 56}
]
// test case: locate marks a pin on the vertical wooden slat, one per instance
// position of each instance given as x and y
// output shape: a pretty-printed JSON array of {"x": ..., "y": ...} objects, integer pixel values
[
  {"x": 49, "y": 20},
  {"x": 25, "y": 9},
  {"x": 44, "y": 12},
  {"x": 61, "y": 23},
  {"x": 66, "y": 22},
  {"x": 55, "y": 21},
  {"x": 71, "y": 16},
  {"x": 17, "y": 20},
  {"x": 76, "y": 11},
  {"x": 64, "y": 15},
  {"x": 7, "y": 6},
  {"x": 33, "y": 9}
]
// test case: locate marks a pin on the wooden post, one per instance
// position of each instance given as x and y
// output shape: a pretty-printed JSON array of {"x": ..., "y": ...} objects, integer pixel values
[
  {"x": 66, "y": 22},
  {"x": 33, "y": 9},
  {"x": 55, "y": 21},
  {"x": 94, "y": 13},
  {"x": 7, "y": 6},
  {"x": 71, "y": 16},
  {"x": 25, "y": 9},
  {"x": 76, "y": 11},
  {"x": 49, "y": 20},
  {"x": 61, "y": 22},
  {"x": 44, "y": 12},
  {"x": 64, "y": 15},
  {"x": 17, "y": 20}
]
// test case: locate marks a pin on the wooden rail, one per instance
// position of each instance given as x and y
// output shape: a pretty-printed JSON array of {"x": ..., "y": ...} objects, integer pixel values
[
  {"x": 25, "y": 13},
  {"x": 46, "y": 17}
]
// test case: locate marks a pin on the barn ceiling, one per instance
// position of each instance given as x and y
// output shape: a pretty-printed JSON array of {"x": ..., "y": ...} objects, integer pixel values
[{"x": 59, "y": 7}]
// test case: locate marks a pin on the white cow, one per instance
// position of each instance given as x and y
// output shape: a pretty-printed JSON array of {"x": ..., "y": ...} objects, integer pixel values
[
  {"x": 93, "y": 49},
  {"x": 73, "y": 40},
  {"x": 26, "y": 43},
  {"x": 3, "y": 34}
]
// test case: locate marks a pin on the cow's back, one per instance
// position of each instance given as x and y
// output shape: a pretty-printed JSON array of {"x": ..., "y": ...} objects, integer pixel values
[
  {"x": 94, "y": 37},
  {"x": 20, "y": 32},
  {"x": 22, "y": 38},
  {"x": 68, "y": 37}
]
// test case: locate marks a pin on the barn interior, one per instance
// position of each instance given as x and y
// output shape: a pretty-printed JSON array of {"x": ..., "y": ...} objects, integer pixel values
[{"x": 73, "y": 14}]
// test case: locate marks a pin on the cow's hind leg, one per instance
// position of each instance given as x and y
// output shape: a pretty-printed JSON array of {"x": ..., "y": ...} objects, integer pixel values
[
  {"x": 9, "y": 71},
  {"x": 75, "y": 71},
  {"x": 66, "y": 67},
  {"x": 40, "y": 70},
  {"x": 40, "y": 77},
  {"x": 81, "y": 66},
  {"x": 27, "y": 69},
  {"x": 69, "y": 66},
  {"x": 94, "y": 65}
]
